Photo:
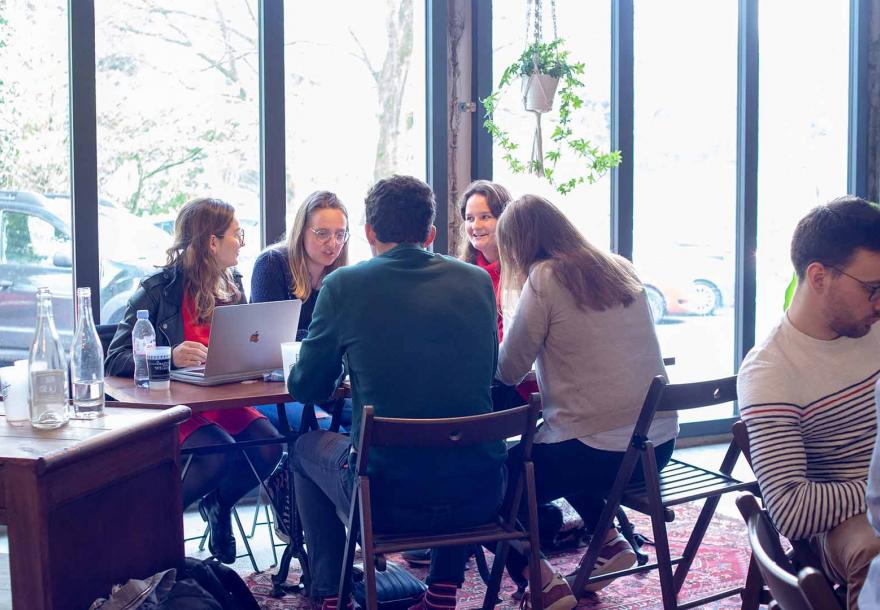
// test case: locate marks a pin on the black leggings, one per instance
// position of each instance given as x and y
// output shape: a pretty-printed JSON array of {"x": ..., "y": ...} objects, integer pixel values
[
  {"x": 577, "y": 472},
  {"x": 228, "y": 473}
]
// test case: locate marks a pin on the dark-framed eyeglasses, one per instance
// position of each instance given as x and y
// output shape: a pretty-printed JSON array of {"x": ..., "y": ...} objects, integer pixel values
[
  {"x": 239, "y": 235},
  {"x": 873, "y": 289},
  {"x": 324, "y": 235}
]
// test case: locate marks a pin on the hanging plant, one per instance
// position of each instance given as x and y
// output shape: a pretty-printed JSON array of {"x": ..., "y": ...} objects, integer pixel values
[{"x": 542, "y": 67}]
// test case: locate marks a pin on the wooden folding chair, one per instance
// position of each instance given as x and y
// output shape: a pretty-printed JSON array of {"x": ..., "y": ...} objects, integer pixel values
[
  {"x": 807, "y": 589},
  {"x": 451, "y": 434},
  {"x": 679, "y": 482}
]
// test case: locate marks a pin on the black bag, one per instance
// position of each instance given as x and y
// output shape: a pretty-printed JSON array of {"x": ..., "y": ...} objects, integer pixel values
[
  {"x": 396, "y": 588},
  {"x": 221, "y": 582}
]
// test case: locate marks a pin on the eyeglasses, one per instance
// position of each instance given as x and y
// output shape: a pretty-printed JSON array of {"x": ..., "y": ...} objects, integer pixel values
[
  {"x": 239, "y": 235},
  {"x": 873, "y": 289},
  {"x": 324, "y": 235}
]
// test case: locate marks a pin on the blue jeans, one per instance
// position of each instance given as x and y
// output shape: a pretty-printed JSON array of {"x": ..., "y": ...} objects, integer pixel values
[
  {"x": 324, "y": 484},
  {"x": 294, "y": 412}
]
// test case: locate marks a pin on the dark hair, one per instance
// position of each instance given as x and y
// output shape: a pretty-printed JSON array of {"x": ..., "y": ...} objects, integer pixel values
[
  {"x": 497, "y": 197},
  {"x": 401, "y": 209},
  {"x": 532, "y": 230},
  {"x": 831, "y": 233}
]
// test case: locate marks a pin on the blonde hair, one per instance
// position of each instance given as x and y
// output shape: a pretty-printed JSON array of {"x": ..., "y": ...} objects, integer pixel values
[
  {"x": 301, "y": 286},
  {"x": 497, "y": 198},
  {"x": 206, "y": 283},
  {"x": 532, "y": 230}
]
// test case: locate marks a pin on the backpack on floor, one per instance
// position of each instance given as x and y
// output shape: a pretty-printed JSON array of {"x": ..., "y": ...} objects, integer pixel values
[
  {"x": 222, "y": 582},
  {"x": 396, "y": 588}
]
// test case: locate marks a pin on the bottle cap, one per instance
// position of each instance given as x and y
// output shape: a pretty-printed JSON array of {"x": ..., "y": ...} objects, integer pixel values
[{"x": 143, "y": 314}]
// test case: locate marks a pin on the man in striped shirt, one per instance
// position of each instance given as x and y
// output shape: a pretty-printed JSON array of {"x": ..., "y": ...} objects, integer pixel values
[{"x": 807, "y": 392}]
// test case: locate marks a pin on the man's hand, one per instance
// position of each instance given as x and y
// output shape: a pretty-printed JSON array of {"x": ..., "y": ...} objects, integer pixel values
[{"x": 189, "y": 353}]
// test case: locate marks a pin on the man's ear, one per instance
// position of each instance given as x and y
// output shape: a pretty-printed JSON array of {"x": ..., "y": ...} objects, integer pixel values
[
  {"x": 818, "y": 277},
  {"x": 431, "y": 235},
  {"x": 371, "y": 235}
]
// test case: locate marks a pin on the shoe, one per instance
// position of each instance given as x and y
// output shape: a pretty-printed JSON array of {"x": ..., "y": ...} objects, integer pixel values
[
  {"x": 418, "y": 558},
  {"x": 556, "y": 593},
  {"x": 278, "y": 490},
  {"x": 221, "y": 542},
  {"x": 615, "y": 555}
]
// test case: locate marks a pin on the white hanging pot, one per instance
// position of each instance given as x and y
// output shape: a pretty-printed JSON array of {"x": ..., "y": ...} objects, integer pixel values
[{"x": 538, "y": 91}]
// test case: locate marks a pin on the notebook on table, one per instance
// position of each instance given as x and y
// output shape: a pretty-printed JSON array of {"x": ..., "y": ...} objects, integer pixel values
[{"x": 245, "y": 342}]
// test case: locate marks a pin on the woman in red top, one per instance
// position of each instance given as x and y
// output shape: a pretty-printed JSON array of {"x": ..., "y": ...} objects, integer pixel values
[
  {"x": 480, "y": 206},
  {"x": 181, "y": 297}
]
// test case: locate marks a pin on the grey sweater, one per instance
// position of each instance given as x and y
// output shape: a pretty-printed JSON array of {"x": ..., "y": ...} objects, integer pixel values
[{"x": 593, "y": 367}]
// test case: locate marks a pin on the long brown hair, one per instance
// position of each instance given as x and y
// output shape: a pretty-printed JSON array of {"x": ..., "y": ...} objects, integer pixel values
[
  {"x": 296, "y": 241},
  {"x": 532, "y": 230},
  {"x": 497, "y": 197},
  {"x": 206, "y": 283}
]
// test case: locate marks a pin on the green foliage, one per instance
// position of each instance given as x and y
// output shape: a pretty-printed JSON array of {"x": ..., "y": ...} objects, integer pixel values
[
  {"x": 551, "y": 58},
  {"x": 789, "y": 292}
]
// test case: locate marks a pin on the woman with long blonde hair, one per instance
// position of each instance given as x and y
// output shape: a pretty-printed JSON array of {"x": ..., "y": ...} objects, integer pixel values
[
  {"x": 583, "y": 318},
  {"x": 295, "y": 269},
  {"x": 198, "y": 277}
]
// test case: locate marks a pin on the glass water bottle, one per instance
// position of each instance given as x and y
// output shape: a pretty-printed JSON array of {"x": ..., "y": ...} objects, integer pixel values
[
  {"x": 86, "y": 361},
  {"x": 47, "y": 370}
]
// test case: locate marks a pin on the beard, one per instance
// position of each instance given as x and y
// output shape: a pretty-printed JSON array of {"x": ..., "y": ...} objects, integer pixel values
[{"x": 844, "y": 323}]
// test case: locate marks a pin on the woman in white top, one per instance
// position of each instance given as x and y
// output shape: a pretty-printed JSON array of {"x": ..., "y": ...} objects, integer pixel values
[{"x": 583, "y": 320}]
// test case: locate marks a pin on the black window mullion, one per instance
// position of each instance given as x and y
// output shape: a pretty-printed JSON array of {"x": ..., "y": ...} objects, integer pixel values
[
  {"x": 273, "y": 194},
  {"x": 83, "y": 149},
  {"x": 481, "y": 45},
  {"x": 857, "y": 166},
  {"x": 622, "y": 100},
  {"x": 437, "y": 135},
  {"x": 746, "y": 179}
]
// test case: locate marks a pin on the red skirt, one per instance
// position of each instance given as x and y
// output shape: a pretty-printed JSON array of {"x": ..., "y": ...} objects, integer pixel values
[{"x": 233, "y": 421}]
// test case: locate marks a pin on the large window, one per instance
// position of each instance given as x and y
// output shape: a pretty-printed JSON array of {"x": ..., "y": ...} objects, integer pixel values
[
  {"x": 803, "y": 133},
  {"x": 178, "y": 118},
  {"x": 685, "y": 180},
  {"x": 355, "y": 96},
  {"x": 585, "y": 28},
  {"x": 35, "y": 243}
]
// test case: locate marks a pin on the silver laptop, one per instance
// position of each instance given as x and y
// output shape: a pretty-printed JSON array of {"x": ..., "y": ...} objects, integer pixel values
[{"x": 245, "y": 342}]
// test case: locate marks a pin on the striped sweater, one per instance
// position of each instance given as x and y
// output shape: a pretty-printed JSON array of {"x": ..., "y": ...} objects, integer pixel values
[{"x": 808, "y": 406}]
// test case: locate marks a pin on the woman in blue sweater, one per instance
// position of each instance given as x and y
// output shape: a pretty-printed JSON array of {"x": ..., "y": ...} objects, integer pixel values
[{"x": 295, "y": 269}]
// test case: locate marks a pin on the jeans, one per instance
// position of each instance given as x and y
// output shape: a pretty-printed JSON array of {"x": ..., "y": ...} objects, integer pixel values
[
  {"x": 580, "y": 474},
  {"x": 324, "y": 484},
  {"x": 294, "y": 412}
]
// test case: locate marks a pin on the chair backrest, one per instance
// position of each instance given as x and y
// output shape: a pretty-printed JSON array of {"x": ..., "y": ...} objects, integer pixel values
[
  {"x": 741, "y": 436},
  {"x": 106, "y": 332},
  {"x": 807, "y": 590},
  {"x": 447, "y": 432}
]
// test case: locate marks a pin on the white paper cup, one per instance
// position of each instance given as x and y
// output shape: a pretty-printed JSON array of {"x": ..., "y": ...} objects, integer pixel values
[
  {"x": 16, "y": 402},
  {"x": 290, "y": 355}
]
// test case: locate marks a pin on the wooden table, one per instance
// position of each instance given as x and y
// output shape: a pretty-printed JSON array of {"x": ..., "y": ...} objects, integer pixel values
[
  {"x": 90, "y": 505},
  {"x": 197, "y": 398}
]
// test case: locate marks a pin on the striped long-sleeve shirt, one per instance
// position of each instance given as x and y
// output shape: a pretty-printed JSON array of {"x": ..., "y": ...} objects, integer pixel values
[{"x": 808, "y": 405}]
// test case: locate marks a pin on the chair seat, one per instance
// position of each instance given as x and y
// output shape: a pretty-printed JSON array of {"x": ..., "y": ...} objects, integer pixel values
[
  {"x": 681, "y": 482},
  {"x": 475, "y": 535}
]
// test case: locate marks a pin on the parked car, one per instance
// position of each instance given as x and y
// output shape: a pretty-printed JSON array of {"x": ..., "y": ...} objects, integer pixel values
[{"x": 35, "y": 250}]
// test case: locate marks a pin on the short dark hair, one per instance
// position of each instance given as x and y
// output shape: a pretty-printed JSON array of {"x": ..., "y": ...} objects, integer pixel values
[
  {"x": 831, "y": 233},
  {"x": 401, "y": 209}
]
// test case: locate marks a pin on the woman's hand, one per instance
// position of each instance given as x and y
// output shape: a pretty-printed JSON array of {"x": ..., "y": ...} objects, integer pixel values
[{"x": 189, "y": 353}]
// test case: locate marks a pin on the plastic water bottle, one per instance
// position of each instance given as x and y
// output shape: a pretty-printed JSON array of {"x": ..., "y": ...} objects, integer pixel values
[
  {"x": 47, "y": 370},
  {"x": 142, "y": 337},
  {"x": 86, "y": 361}
]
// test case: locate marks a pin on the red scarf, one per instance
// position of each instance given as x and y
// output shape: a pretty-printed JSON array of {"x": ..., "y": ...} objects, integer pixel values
[{"x": 494, "y": 270}]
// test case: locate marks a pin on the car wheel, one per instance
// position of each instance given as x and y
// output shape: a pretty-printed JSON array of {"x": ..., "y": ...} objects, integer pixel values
[
  {"x": 706, "y": 298},
  {"x": 656, "y": 303}
]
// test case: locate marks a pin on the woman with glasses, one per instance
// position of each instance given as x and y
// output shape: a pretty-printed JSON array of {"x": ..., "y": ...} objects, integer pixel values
[
  {"x": 583, "y": 317},
  {"x": 295, "y": 269},
  {"x": 198, "y": 277}
]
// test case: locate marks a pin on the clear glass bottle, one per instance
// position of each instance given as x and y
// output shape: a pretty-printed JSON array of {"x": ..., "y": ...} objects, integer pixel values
[
  {"x": 47, "y": 370},
  {"x": 86, "y": 361}
]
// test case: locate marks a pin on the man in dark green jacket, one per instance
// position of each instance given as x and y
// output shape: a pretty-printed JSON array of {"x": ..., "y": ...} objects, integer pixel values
[{"x": 418, "y": 332}]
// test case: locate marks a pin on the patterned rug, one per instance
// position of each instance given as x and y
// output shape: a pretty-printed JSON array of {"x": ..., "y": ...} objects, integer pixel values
[{"x": 721, "y": 563}]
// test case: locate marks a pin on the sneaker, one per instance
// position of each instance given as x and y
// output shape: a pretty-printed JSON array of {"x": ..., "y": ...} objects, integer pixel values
[
  {"x": 556, "y": 593},
  {"x": 418, "y": 557},
  {"x": 615, "y": 555},
  {"x": 278, "y": 490}
]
